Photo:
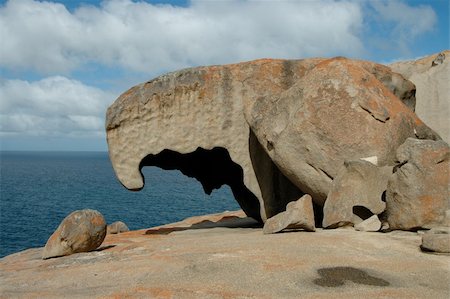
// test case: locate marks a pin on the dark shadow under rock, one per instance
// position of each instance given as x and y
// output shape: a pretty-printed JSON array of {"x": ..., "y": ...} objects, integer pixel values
[{"x": 337, "y": 276}]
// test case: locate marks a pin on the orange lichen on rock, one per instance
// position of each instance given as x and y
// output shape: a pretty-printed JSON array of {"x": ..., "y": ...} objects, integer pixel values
[
  {"x": 418, "y": 194},
  {"x": 297, "y": 120}
]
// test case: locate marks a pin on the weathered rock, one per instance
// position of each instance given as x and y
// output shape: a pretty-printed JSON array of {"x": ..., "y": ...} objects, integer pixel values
[
  {"x": 356, "y": 194},
  {"x": 117, "y": 228},
  {"x": 437, "y": 239},
  {"x": 371, "y": 224},
  {"x": 81, "y": 231},
  {"x": 233, "y": 262},
  {"x": 298, "y": 215},
  {"x": 246, "y": 125},
  {"x": 418, "y": 191},
  {"x": 338, "y": 111},
  {"x": 431, "y": 75}
]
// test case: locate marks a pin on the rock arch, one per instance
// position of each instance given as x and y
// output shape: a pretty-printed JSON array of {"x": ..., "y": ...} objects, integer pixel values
[
  {"x": 212, "y": 168},
  {"x": 288, "y": 124}
]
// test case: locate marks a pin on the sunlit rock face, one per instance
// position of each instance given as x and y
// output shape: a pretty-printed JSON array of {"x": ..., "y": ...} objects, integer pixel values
[
  {"x": 431, "y": 75},
  {"x": 270, "y": 129},
  {"x": 81, "y": 231},
  {"x": 418, "y": 193}
]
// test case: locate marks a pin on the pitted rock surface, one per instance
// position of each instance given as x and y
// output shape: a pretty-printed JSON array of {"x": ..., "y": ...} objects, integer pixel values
[{"x": 279, "y": 128}]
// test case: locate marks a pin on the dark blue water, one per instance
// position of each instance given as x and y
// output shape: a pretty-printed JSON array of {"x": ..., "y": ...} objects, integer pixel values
[{"x": 39, "y": 189}]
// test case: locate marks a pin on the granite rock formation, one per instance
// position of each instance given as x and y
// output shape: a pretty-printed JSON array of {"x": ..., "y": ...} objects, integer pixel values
[
  {"x": 418, "y": 194},
  {"x": 80, "y": 231},
  {"x": 356, "y": 194},
  {"x": 338, "y": 111},
  {"x": 298, "y": 215},
  {"x": 272, "y": 130},
  {"x": 431, "y": 76}
]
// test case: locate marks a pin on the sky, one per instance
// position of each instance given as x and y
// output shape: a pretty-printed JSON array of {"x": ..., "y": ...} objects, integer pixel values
[{"x": 62, "y": 63}]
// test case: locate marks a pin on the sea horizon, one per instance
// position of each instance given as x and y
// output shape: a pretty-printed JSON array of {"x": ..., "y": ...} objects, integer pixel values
[{"x": 40, "y": 188}]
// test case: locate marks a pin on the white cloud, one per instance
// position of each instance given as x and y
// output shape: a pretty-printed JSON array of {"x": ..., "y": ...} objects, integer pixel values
[
  {"x": 140, "y": 36},
  {"x": 408, "y": 21},
  {"x": 137, "y": 36},
  {"x": 52, "y": 106}
]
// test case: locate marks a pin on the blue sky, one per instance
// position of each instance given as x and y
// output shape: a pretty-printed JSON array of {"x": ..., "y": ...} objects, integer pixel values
[{"x": 63, "y": 63}]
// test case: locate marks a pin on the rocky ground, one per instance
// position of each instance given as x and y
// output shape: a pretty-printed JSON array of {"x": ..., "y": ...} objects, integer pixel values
[
  {"x": 227, "y": 256},
  {"x": 272, "y": 130}
]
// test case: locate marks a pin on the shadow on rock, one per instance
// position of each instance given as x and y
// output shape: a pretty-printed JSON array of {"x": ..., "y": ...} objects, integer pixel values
[
  {"x": 336, "y": 277},
  {"x": 101, "y": 248},
  {"x": 226, "y": 221}
]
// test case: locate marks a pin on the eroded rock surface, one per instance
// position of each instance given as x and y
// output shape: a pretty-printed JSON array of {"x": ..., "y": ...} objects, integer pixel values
[
  {"x": 272, "y": 130},
  {"x": 418, "y": 193},
  {"x": 299, "y": 214},
  {"x": 358, "y": 187},
  {"x": 81, "y": 231},
  {"x": 431, "y": 76},
  {"x": 338, "y": 111}
]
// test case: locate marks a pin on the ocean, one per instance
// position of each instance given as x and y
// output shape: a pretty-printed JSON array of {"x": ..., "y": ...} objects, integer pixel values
[{"x": 39, "y": 189}]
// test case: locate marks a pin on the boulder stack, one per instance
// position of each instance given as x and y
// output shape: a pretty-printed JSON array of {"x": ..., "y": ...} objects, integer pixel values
[{"x": 272, "y": 130}]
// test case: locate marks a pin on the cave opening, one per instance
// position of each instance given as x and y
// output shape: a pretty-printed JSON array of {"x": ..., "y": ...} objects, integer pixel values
[{"x": 212, "y": 168}]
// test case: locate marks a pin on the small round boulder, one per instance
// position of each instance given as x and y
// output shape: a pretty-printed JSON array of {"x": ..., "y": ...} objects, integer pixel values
[
  {"x": 81, "y": 231},
  {"x": 117, "y": 228}
]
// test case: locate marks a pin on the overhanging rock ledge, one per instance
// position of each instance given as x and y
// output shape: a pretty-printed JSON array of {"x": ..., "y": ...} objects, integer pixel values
[{"x": 271, "y": 129}]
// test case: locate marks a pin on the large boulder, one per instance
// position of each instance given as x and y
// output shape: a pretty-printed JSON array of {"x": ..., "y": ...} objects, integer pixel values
[
  {"x": 418, "y": 193},
  {"x": 81, "y": 231},
  {"x": 356, "y": 191},
  {"x": 338, "y": 111},
  {"x": 431, "y": 75},
  {"x": 270, "y": 129}
]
